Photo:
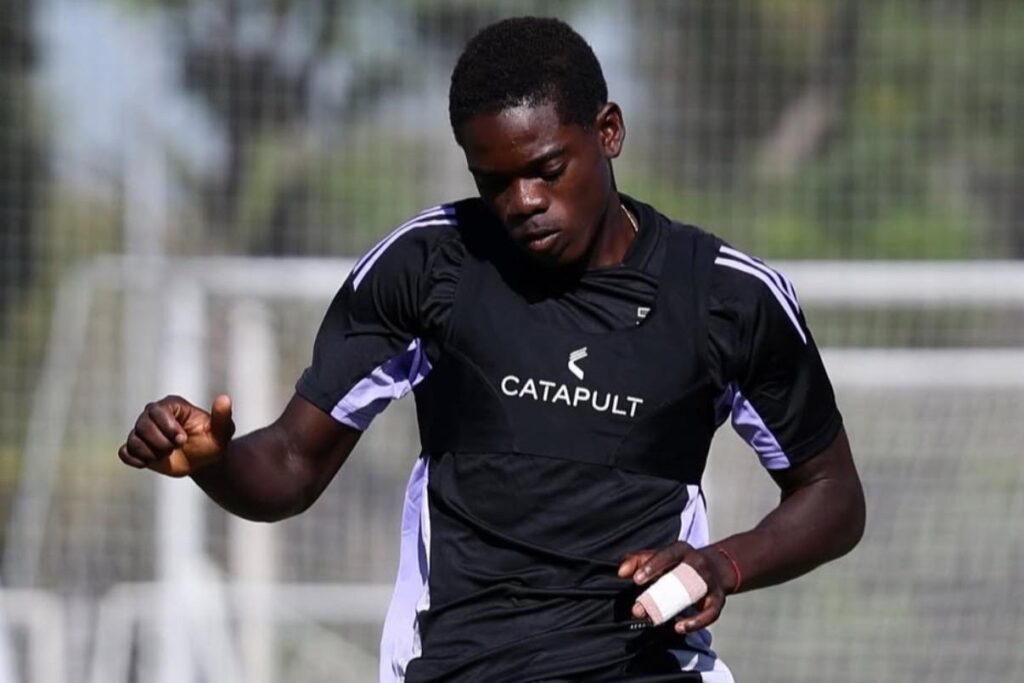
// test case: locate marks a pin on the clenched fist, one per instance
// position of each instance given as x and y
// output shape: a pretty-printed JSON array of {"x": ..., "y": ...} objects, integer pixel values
[{"x": 176, "y": 438}]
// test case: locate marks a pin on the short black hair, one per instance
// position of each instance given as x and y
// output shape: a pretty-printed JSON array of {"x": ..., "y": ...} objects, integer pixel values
[{"x": 527, "y": 60}]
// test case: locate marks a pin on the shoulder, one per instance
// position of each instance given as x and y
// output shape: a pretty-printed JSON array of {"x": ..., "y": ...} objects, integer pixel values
[
  {"x": 407, "y": 248},
  {"x": 410, "y": 278},
  {"x": 439, "y": 236},
  {"x": 735, "y": 276},
  {"x": 746, "y": 288},
  {"x": 742, "y": 276}
]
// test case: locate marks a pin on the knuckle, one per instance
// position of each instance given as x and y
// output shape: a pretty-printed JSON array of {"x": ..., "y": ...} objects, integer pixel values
[
  {"x": 698, "y": 562},
  {"x": 680, "y": 551}
]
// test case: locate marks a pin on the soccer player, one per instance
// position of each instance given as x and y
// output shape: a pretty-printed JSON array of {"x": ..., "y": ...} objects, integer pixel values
[{"x": 572, "y": 351}]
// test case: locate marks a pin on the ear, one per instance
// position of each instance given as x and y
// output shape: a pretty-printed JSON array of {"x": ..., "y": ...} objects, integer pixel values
[{"x": 611, "y": 130}]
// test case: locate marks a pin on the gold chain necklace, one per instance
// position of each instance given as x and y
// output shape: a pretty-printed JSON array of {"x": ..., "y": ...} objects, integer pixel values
[{"x": 632, "y": 221}]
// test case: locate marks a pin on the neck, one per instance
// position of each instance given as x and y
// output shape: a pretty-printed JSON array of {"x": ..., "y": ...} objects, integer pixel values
[{"x": 614, "y": 235}]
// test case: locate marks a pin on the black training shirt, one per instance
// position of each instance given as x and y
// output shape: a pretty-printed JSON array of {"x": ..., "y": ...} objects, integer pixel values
[{"x": 564, "y": 423}]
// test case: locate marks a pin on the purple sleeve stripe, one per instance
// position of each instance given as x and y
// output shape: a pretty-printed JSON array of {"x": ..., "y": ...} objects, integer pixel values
[
  {"x": 752, "y": 429},
  {"x": 783, "y": 300},
  {"x": 391, "y": 380}
]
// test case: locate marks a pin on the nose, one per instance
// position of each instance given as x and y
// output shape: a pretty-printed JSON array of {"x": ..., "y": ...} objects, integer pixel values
[{"x": 526, "y": 198}]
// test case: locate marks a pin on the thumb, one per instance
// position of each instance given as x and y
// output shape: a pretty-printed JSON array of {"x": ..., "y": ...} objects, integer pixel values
[{"x": 222, "y": 427}]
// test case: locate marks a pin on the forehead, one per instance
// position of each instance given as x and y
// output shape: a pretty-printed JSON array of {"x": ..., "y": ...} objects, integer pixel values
[{"x": 516, "y": 135}]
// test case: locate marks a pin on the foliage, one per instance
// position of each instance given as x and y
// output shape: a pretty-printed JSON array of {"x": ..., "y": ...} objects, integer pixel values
[
  {"x": 846, "y": 130},
  {"x": 912, "y": 154}
]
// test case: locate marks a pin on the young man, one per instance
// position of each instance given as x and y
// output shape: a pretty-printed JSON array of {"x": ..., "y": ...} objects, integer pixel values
[{"x": 572, "y": 352}]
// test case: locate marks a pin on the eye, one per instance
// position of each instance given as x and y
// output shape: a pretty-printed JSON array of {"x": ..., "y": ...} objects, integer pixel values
[{"x": 552, "y": 174}]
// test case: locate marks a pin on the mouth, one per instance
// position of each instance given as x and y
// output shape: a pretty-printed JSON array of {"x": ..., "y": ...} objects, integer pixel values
[{"x": 537, "y": 240}]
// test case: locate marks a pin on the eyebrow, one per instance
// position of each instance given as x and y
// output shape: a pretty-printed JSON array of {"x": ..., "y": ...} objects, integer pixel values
[{"x": 532, "y": 163}]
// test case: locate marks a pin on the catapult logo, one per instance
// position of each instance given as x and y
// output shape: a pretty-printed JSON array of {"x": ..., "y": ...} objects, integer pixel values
[
  {"x": 585, "y": 398},
  {"x": 577, "y": 355}
]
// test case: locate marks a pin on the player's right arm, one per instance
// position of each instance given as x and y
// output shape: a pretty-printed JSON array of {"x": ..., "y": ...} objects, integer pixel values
[
  {"x": 372, "y": 347},
  {"x": 267, "y": 475}
]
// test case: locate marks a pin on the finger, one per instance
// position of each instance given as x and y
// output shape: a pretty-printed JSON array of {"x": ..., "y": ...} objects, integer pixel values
[
  {"x": 222, "y": 427},
  {"x": 166, "y": 423},
  {"x": 154, "y": 438},
  {"x": 638, "y": 611},
  {"x": 659, "y": 563},
  {"x": 138, "y": 449},
  {"x": 127, "y": 459},
  {"x": 633, "y": 561},
  {"x": 672, "y": 593},
  {"x": 710, "y": 609}
]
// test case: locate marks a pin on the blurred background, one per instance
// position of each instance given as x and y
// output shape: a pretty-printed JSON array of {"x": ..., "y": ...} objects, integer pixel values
[{"x": 184, "y": 184}]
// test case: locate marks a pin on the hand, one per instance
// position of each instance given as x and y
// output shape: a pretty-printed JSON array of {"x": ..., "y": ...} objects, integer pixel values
[
  {"x": 176, "y": 438},
  {"x": 646, "y": 566}
]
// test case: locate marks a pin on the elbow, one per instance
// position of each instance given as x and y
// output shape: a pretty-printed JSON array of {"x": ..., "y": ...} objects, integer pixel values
[
  {"x": 290, "y": 497},
  {"x": 266, "y": 516},
  {"x": 854, "y": 519},
  {"x": 266, "y": 512}
]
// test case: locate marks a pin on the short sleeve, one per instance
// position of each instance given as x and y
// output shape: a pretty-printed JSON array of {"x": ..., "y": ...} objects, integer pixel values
[
  {"x": 764, "y": 358},
  {"x": 371, "y": 346}
]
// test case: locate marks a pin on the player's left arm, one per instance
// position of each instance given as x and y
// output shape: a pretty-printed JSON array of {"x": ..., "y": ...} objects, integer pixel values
[{"x": 783, "y": 405}]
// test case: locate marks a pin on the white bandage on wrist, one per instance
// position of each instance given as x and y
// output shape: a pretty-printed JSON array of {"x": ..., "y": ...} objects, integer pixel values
[{"x": 672, "y": 593}]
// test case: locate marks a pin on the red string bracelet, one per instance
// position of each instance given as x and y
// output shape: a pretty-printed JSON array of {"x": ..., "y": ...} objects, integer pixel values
[{"x": 735, "y": 567}]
